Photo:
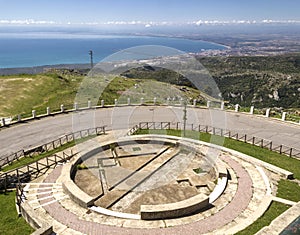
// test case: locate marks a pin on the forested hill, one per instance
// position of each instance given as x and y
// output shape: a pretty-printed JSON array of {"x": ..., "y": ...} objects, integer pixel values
[
  {"x": 260, "y": 81},
  {"x": 272, "y": 81}
]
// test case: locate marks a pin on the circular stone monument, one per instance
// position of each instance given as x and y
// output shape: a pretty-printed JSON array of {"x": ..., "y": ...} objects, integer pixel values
[{"x": 147, "y": 177}]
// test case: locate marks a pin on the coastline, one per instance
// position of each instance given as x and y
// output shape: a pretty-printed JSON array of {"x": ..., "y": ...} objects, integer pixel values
[{"x": 41, "y": 69}]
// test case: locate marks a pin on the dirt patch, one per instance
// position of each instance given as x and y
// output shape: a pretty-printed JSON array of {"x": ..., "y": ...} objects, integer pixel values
[
  {"x": 88, "y": 182},
  {"x": 166, "y": 194},
  {"x": 133, "y": 163}
]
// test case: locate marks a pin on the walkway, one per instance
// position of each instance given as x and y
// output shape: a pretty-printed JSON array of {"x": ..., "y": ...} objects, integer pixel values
[{"x": 221, "y": 218}]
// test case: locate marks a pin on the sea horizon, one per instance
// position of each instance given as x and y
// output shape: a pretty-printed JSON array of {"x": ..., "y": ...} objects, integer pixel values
[{"x": 34, "y": 49}]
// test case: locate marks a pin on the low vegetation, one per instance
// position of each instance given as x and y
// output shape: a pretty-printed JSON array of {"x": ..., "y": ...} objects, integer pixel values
[
  {"x": 274, "y": 211},
  {"x": 289, "y": 190},
  {"x": 10, "y": 222}
]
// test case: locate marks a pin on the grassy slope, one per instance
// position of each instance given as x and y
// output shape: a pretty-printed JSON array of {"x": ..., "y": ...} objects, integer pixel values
[
  {"x": 23, "y": 93},
  {"x": 10, "y": 223}
]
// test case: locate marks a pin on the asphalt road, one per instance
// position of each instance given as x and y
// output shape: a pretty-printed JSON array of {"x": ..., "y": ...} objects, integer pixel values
[{"x": 33, "y": 133}]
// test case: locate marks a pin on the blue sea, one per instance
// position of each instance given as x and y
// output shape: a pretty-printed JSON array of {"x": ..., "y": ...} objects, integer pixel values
[{"x": 28, "y": 52}]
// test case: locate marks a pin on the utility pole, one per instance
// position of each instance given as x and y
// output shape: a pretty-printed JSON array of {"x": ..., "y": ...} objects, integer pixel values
[
  {"x": 184, "y": 118},
  {"x": 91, "y": 54}
]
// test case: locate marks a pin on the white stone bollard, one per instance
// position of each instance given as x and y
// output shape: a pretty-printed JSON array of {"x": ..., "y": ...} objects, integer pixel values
[
  {"x": 208, "y": 104},
  {"x": 194, "y": 102},
  {"x": 3, "y": 121},
  {"x": 154, "y": 101},
  {"x": 102, "y": 103},
  {"x": 142, "y": 101},
  {"x": 76, "y": 106},
  {"x": 128, "y": 101},
  {"x": 116, "y": 102},
  {"x": 33, "y": 113},
  {"x": 19, "y": 117},
  {"x": 168, "y": 101},
  {"x": 62, "y": 108},
  {"x": 48, "y": 111},
  {"x": 252, "y": 110},
  {"x": 181, "y": 102},
  {"x": 236, "y": 108},
  {"x": 89, "y": 104},
  {"x": 222, "y": 105},
  {"x": 268, "y": 112},
  {"x": 283, "y": 116}
]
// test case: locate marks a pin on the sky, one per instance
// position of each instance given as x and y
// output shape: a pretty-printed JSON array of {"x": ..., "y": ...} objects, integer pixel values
[{"x": 176, "y": 11}]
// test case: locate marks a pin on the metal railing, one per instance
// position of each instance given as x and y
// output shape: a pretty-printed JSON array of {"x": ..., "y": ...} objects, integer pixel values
[
  {"x": 257, "y": 141},
  {"x": 31, "y": 171},
  {"x": 6, "y": 160}
]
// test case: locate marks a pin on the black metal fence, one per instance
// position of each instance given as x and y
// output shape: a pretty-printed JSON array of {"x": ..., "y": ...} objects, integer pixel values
[
  {"x": 31, "y": 171},
  {"x": 6, "y": 160},
  {"x": 257, "y": 141}
]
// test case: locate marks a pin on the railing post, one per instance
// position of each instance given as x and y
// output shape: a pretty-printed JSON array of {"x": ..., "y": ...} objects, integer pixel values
[
  {"x": 291, "y": 152},
  {"x": 5, "y": 183},
  {"x": 18, "y": 175},
  {"x": 37, "y": 166},
  {"x": 33, "y": 114},
  {"x": 48, "y": 111},
  {"x": 75, "y": 106},
  {"x": 222, "y": 105},
  {"x": 252, "y": 110},
  {"x": 283, "y": 116},
  {"x": 194, "y": 102},
  {"x": 268, "y": 112},
  {"x": 271, "y": 145},
  {"x": 168, "y": 101},
  {"x": 208, "y": 104},
  {"x": 253, "y": 140},
  {"x": 102, "y": 103},
  {"x": 236, "y": 108},
  {"x": 280, "y": 149},
  {"x": 62, "y": 108},
  {"x": 3, "y": 121}
]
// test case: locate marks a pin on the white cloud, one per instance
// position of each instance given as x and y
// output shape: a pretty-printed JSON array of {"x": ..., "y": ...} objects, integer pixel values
[{"x": 148, "y": 23}]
